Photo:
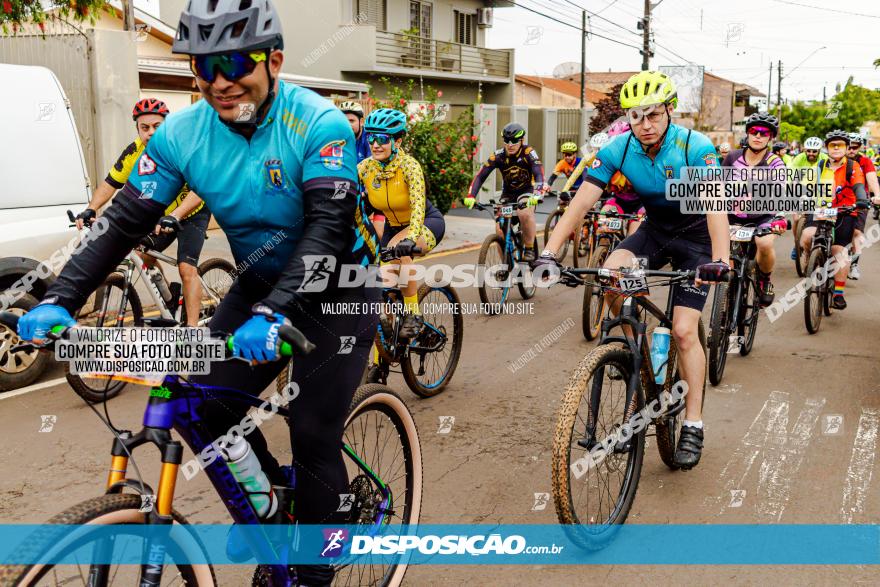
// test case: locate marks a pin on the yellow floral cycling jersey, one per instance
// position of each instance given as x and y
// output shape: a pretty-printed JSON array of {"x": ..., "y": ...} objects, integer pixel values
[
  {"x": 397, "y": 190},
  {"x": 125, "y": 165}
]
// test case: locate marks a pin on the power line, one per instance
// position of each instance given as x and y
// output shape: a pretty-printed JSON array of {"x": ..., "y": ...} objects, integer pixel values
[
  {"x": 827, "y": 9},
  {"x": 596, "y": 14},
  {"x": 547, "y": 16}
]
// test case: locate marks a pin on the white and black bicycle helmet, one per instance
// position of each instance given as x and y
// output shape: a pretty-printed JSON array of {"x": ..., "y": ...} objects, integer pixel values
[
  {"x": 209, "y": 27},
  {"x": 813, "y": 144}
]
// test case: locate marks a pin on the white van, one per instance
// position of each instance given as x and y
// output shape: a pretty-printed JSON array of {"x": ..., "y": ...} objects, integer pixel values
[{"x": 43, "y": 175}]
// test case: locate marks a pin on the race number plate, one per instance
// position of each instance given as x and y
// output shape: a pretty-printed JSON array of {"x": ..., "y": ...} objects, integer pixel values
[
  {"x": 613, "y": 223},
  {"x": 507, "y": 211},
  {"x": 742, "y": 234},
  {"x": 632, "y": 282},
  {"x": 828, "y": 214}
]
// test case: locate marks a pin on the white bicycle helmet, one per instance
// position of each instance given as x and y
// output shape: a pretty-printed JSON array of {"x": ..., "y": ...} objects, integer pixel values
[
  {"x": 813, "y": 144},
  {"x": 598, "y": 140}
]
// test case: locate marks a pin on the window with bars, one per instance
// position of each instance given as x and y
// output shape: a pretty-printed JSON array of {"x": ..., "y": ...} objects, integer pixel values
[
  {"x": 370, "y": 12},
  {"x": 465, "y": 28}
]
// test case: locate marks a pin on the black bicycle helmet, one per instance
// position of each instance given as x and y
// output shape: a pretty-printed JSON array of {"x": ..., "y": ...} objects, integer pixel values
[
  {"x": 837, "y": 135},
  {"x": 513, "y": 132},
  {"x": 763, "y": 119},
  {"x": 779, "y": 146},
  {"x": 208, "y": 27}
]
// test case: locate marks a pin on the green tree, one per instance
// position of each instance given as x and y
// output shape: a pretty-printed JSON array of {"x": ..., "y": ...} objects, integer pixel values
[
  {"x": 607, "y": 111},
  {"x": 19, "y": 12},
  {"x": 445, "y": 149},
  {"x": 849, "y": 109},
  {"x": 789, "y": 132}
]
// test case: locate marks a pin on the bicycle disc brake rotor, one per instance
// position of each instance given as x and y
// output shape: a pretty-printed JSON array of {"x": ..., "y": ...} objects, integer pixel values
[{"x": 366, "y": 501}]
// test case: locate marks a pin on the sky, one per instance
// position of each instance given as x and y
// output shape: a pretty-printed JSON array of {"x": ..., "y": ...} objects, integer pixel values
[{"x": 735, "y": 39}]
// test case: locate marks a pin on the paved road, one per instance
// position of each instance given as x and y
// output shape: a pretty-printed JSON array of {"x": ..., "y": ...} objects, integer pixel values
[{"x": 765, "y": 441}]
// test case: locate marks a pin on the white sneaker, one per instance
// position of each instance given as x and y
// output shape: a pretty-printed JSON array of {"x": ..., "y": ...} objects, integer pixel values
[{"x": 854, "y": 272}]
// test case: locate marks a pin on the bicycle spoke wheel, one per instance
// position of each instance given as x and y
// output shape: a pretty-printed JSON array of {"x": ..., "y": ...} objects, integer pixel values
[
  {"x": 596, "y": 495},
  {"x": 106, "y": 312},
  {"x": 217, "y": 277},
  {"x": 380, "y": 434},
  {"x": 815, "y": 294},
  {"x": 719, "y": 333},
  {"x": 102, "y": 511},
  {"x": 551, "y": 223},
  {"x": 750, "y": 311},
  {"x": 799, "y": 252},
  {"x": 495, "y": 283},
  {"x": 583, "y": 243},
  {"x": 594, "y": 302},
  {"x": 525, "y": 281},
  {"x": 432, "y": 359}
]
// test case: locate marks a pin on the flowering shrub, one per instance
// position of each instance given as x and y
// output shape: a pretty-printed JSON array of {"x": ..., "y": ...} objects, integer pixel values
[
  {"x": 18, "y": 12},
  {"x": 445, "y": 149}
]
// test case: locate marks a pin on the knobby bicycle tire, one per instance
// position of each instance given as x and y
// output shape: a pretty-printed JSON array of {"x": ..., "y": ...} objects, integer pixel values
[
  {"x": 719, "y": 333},
  {"x": 99, "y": 511},
  {"x": 409, "y": 366},
  {"x": 488, "y": 242},
  {"x": 814, "y": 301},
  {"x": 591, "y": 317},
  {"x": 580, "y": 386}
]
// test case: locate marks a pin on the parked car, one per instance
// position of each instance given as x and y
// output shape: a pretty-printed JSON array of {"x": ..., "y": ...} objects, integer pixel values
[{"x": 43, "y": 175}]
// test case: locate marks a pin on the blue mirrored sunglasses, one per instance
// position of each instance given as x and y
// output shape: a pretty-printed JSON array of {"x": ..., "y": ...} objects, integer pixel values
[
  {"x": 233, "y": 66},
  {"x": 381, "y": 138}
]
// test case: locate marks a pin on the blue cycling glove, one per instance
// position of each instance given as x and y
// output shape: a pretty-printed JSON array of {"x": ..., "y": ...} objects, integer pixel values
[
  {"x": 44, "y": 317},
  {"x": 257, "y": 339}
]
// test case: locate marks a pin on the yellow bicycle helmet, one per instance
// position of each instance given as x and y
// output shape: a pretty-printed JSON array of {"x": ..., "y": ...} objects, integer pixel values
[
  {"x": 647, "y": 88},
  {"x": 569, "y": 147}
]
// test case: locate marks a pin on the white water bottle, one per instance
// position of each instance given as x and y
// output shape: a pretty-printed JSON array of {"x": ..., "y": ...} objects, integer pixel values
[{"x": 246, "y": 468}]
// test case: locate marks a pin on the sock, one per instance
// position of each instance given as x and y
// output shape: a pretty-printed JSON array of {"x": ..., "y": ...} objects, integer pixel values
[
  {"x": 838, "y": 287},
  {"x": 528, "y": 248},
  {"x": 375, "y": 355},
  {"x": 412, "y": 305},
  {"x": 697, "y": 424}
]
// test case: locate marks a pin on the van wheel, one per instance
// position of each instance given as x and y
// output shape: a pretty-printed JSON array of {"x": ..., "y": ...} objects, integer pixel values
[{"x": 19, "y": 369}]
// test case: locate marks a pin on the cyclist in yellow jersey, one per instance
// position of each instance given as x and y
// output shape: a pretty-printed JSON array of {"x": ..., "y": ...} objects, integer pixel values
[
  {"x": 187, "y": 207},
  {"x": 395, "y": 186}
]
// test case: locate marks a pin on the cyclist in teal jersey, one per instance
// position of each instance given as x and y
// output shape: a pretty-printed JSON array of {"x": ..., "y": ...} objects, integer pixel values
[
  {"x": 276, "y": 164},
  {"x": 656, "y": 150}
]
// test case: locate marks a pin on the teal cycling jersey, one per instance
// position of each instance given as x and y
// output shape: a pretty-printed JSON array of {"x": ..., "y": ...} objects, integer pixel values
[
  {"x": 681, "y": 147},
  {"x": 253, "y": 187}
]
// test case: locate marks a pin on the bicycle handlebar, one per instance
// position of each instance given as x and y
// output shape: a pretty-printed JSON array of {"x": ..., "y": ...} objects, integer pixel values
[
  {"x": 389, "y": 255},
  {"x": 294, "y": 341}
]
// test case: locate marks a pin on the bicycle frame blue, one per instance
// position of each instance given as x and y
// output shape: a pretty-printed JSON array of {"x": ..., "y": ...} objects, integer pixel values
[{"x": 180, "y": 411}]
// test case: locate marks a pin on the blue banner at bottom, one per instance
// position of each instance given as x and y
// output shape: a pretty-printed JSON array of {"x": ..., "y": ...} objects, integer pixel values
[{"x": 443, "y": 544}]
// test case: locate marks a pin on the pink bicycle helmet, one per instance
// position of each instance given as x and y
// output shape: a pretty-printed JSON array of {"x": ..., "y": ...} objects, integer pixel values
[{"x": 618, "y": 127}]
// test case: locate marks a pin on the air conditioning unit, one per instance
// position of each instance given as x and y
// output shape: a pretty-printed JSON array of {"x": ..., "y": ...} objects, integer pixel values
[{"x": 484, "y": 17}]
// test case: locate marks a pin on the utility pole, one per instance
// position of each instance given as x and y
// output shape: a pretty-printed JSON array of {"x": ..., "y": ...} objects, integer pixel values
[
  {"x": 823, "y": 94},
  {"x": 779, "y": 90},
  {"x": 583, "y": 56},
  {"x": 770, "y": 87},
  {"x": 128, "y": 15},
  {"x": 646, "y": 37}
]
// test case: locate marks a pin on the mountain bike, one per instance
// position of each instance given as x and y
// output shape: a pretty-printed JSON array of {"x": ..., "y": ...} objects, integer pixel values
[
  {"x": 818, "y": 299},
  {"x": 500, "y": 259},
  {"x": 117, "y": 304},
  {"x": 562, "y": 201},
  {"x": 604, "y": 405},
  {"x": 735, "y": 306},
  {"x": 381, "y": 449},
  {"x": 428, "y": 361},
  {"x": 610, "y": 230}
]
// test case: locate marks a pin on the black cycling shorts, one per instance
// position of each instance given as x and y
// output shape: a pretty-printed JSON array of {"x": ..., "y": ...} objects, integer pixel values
[
  {"x": 512, "y": 198},
  {"x": 190, "y": 239},
  {"x": 862, "y": 218},
  {"x": 434, "y": 222},
  {"x": 684, "y": 252},
  {"x": 327, "y": 379},
  {"x": 844, "y": 228}
]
